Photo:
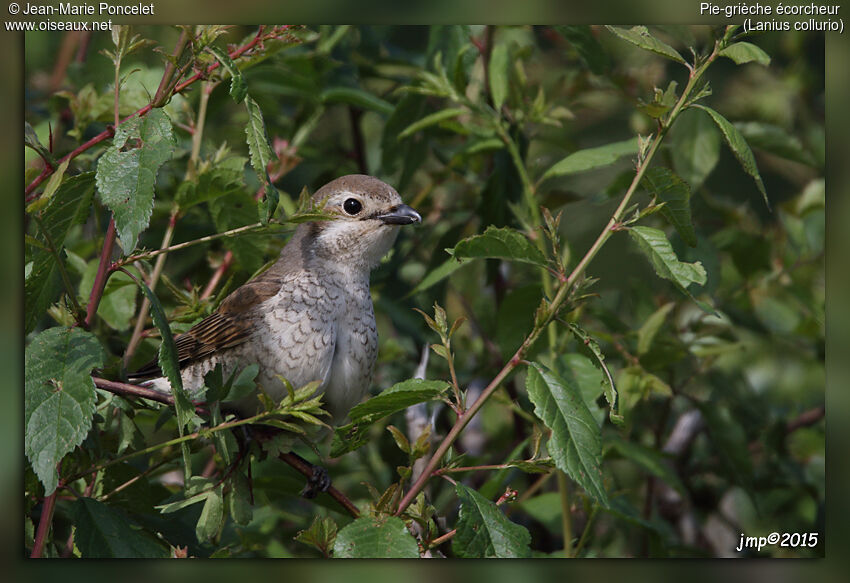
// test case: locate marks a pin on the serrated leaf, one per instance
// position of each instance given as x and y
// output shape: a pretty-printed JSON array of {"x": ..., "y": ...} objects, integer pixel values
[
  {"x": 397, "y": 398},
  {"x": 640, "y": 37},
  {"x": 696, "y": 147},
  {"x": 591, "y": 158},
  {"x": 739, "y": 147},
  {"x": 500, "y": 243},
  {"x": 652, "y": 461},
  {"x": 743, "y": 52},
  {"x": 59, "y": 397},
  {"x": 370, "y": 538},
  {"x": 586, "y": 45},
  {"x": 357, "y": 98},
  {"x": 321, "y": 534},
  {"x": 238, "y": 87},
  {"x": 654, "y": 245},
  {"x": 430, "y": 120},
  {"x": 261, "y": 154},
  {"x": 212, "y": 514},
  {"x": 670, "y": 189},
  {"x": 498, "y": 73},
  {"x": 69, "y": 206},
  {"x": 105, "y": 533},
  {"x": 590, "y": 348},
  {"x": 127, "y": 171},
  {"x": 576, "y": 443},
  {"x": 775, "y": 140},
  {"x": 647, "y": 332},
  {"x": 483, "y": 531}
]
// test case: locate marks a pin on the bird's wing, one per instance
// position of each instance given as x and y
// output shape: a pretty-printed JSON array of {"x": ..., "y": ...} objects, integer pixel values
[{"x": 227, "y": 327}]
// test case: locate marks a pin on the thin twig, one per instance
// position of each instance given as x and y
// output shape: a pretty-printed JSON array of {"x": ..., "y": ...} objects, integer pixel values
[
  {"x": 110, "y": 131},
  {"x": 560, "y": 297},
  {"x": 307, "y": 471}
]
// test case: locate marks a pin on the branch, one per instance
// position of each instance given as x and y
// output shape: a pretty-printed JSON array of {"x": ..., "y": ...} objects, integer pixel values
[
  {"x": 307, "y": 471},
  {"x": 560, "y": 297},
  {"x": 44, "y": 524},
  {"x": 110, "y": 131},
  {"x": 103, "y": 271}
]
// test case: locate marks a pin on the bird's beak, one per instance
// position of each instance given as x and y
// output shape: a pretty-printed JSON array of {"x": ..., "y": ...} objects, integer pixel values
[{"x": 400, "y": 215}]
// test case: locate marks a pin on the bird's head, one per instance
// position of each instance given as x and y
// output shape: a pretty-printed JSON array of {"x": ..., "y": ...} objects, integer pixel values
[{"x": 367, "y": 213}]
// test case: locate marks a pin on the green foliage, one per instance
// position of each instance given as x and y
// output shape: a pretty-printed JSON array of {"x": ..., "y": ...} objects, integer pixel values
[
  {"x": 576, "y": 444},
  {"x": 127, "y": 171},
  {"x": 375, "y": 539},
  {"x": 535, "y": 148},
  {"x": 483, "y": 531},
  {"x": 59, "y": 397}
]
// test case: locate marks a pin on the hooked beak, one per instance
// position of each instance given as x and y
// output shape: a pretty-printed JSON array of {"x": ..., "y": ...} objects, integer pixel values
[{"x": 400, "y": 215}]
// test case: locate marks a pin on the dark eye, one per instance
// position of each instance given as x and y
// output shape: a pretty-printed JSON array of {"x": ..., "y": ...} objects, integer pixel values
[{"x": 352, "y": 206}]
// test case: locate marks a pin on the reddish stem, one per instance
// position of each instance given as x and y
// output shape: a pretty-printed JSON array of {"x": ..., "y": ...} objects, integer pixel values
[
  {"x": 44, "y": 524},
  {"x": 103, "y": 272},
  {"x": 110, "y": 131}
]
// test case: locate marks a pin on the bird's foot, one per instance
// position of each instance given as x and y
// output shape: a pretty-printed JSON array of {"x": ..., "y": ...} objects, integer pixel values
[{"x": 320, "y": 481}]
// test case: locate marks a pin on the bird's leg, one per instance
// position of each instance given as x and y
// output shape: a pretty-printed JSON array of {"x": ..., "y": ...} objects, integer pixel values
[{"x": 318, "y": 481}]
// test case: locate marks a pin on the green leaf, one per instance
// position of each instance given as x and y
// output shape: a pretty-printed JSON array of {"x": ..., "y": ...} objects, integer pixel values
[
  {"x": 640, "y": 37},
  {"x": 397, "y": 398},
  {"x": 211, "y": 517},
  {"x": 357, "y": 98},
  {"x": 103, "y": 532},
  {"x": 588, "y": 48},
  {"x": 730, "y": 442},
  {"x": 52, "y": 185},
  {"x": 668, "y": 188},
  {"x": 499, "y": 72},
  {"x": 169, "y": 365},
  {"x": 590, "y": 348},
  {"x": 438, "y": 274},
  {"x": 775, "y": 140},
  {"x": 127, "y": 171},
  {"x": 499, "y": 243},
  {"x": 31, "y": 140},
  {"x": 69, "y": 206},
  {"x": 652, "y": 461},
  {"x": 238, "y": 87},
  {"x": 321, "y": 534},
  {"x": 371, "y": 538},
  {"x": 484, "y": 531},
  {"x": 743, "y": 52},
  {"x": 654, "y": 245},
  {"x": 739, "y": 147},
  {"x": 650, "y": 328},
  {"x": 430, "y": 120},
  {"x": 591, "y": 158},
  {"x": 261, "y": 155},
  {"x": 695, "y": 147},
  {"x": 576, "y": 443},
  {"x": 59, "y": 397},
  {"x": 118, "y": 303}
]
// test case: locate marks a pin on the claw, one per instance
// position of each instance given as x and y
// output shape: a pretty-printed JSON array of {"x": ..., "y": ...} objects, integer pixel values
[{"x": 320, "y": 481}]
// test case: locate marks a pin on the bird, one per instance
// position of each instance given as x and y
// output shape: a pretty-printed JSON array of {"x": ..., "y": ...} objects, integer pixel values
[{"x": 309, "y": 317}]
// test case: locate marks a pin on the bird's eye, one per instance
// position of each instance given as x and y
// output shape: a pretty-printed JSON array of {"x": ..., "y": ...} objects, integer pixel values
[{"x": 352, "y": 206}]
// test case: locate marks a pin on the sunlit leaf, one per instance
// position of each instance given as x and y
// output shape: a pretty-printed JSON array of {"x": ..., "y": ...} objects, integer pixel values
[
  {"x": 373, "y": 538},
  {"x": 591, "y": 158},
  {"x": 640, "y": 37}
]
